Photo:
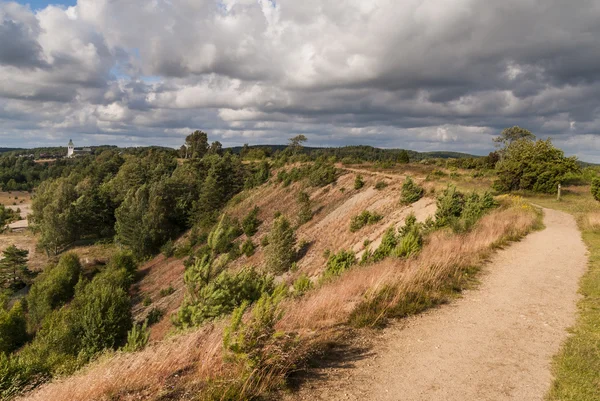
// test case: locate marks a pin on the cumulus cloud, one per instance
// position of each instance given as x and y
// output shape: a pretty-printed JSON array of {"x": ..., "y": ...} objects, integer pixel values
[{"x": 425, "y": 75}]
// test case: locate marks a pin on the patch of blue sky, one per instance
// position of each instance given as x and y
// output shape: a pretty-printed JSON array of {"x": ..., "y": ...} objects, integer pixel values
[{"x": 41, "y": 4}]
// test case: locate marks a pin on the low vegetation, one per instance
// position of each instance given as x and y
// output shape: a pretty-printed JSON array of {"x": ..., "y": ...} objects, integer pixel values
[
  {"x": 364, "y": 219},
  {"x": 411, "y": 192}
]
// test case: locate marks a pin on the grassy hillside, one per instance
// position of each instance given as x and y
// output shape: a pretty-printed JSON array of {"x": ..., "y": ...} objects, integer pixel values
[{"x": 341, "y": 279}]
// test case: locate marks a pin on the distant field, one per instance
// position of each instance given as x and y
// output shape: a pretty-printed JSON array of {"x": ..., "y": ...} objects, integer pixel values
[{"x": 15, "y": 198}]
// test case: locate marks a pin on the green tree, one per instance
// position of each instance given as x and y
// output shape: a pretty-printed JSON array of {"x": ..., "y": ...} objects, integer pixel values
[
  {"x": 296, "y": 143},
  {"x": 280, "y": 254},
  {"x": 403, "y": 157},
  {"x": 512, "y": 134},
  {"x": 537, "y": 166},
  {"x": 197, "y": 144},
  {"x": 13, "y": 266}
]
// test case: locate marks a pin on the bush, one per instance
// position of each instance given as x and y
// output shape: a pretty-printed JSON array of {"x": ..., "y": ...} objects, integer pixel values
[
  {"x": 154, "y": 316},
  {"x": 389, "y": 241},
  {"x": 461, "y": 212},
  {"x": 53, "y": 288},
  {"x": 379, "y": 185},
  {"x": 221, "y": 296},
  {"x": 359, "y": 182},
  {"x": 248, "y": 248},
  {"x": 125, "y": 262},
  {"x": 251, "y": 222},
  {"x": 137, "y": 338},
  {"x": 13, "y": 328},
  {"x": 305, "y": 214},
  {"x": 264, "y": 241},
  {"x": 103, "y": 314},
  {"x": 168, "y": 249},
  {"x": 166, "y": 291},
  {"x": 339, "y": 262},
  {"x": 596, "y": 189},
  {"x": 220, "y": 239},
  {"x": 255, "y": 342},
  {"x": 280, "y": 255},
  {"x": 363, "y": 219},
  {"x": 411, "y": 192},
  {"x": 410, "y": 244},
  {"x": 322, "y": 173},
  {"x": 147, "y": 301},
  {"x": 450, "y": 205},
  {"x": 302, "y": 284}
]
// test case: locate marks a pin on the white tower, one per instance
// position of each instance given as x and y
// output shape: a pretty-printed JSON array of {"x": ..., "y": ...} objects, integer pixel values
[{"x": 70, "y": 148}]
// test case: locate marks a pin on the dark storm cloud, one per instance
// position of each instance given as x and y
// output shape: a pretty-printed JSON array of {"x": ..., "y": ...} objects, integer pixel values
[{"x": 18, "y": 48}]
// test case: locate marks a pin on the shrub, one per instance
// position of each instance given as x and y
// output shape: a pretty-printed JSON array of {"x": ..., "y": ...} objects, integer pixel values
[
  {"x": 322, "y": 173},
  {"x": 596, "y": 188},
  {"x": 255, "y": 342},
  {"x": 248, "y": 248},
  {"x": 124, "y": 261},
  {"x": 103, "y": 314},
  {"x": 147, "y": 301},
  {"x": 164, "y": 292},
  {"x": 280, "y": 254},
  {"x": 220, "y": 239},
  {"x": 137, "y": 337},
  {"x": 13, "y": 328},
  {"x": 251, "y": 222},
  {"x": 154, "y": 316},
  {"x": 379, "y": 185},
  {"x": 302, "y": 284},
  {"x": 450, "y": 205},
  {"x": 410, "y": 244},
  {"x": 53, "y": 288},
  {"x": 389, "y": 241},
  {"x": 168, "y": 249},
  {"x": 359, "y": 182},
  {"x": 411, "y": 192},
  {"x": 339, "y": 262},
  {"x": 305, "y": 214},
  {"x": 264, "y": 241},
  {"x": 208, "y": 301},
  {"x": 363, "y": 219}
]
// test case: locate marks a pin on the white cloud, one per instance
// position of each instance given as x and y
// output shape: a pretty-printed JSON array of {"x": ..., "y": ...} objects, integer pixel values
[{"x": 427, "y": 74}]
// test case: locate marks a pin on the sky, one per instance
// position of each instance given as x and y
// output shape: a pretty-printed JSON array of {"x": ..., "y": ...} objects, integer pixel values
[{"x": 414, "y": 74}]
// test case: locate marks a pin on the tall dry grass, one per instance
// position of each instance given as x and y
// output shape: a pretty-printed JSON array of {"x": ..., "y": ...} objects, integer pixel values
[
  {"x": 192, "y": 359},
  {"x": 592, "y": 221}
]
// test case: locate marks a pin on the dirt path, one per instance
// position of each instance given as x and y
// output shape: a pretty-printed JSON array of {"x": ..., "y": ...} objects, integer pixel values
[{"x": 495, "y": 343}]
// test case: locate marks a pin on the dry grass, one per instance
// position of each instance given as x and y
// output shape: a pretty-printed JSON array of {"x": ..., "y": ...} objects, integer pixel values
[
  {"x": 15, "y": 197},
  {"x": 445, "y": 259},
  {"x": 592, "y": 221},
  {"x": 141, "y": 375}
]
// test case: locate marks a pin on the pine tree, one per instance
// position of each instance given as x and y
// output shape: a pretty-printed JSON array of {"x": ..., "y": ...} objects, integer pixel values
[
  {"x": 13, "y": 267},
  {"x": 280, "y": 252}
]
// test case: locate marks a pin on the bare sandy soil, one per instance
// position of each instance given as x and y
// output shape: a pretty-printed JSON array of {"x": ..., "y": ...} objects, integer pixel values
[{"x": 494, "y": 343}]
